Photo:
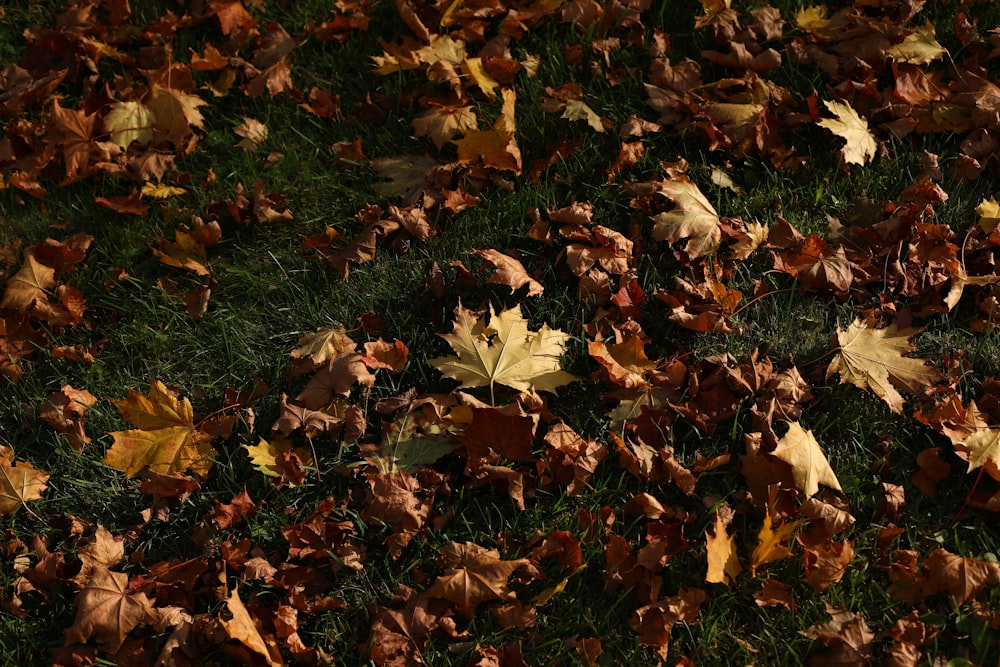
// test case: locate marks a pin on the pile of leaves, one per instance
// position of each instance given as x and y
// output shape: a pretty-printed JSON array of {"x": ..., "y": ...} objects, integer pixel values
[{"x": 120, "y": 103}]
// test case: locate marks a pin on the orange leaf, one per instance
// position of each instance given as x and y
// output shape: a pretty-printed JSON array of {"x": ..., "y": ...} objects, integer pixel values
[
  {"x": 244, "y": 629},
  {"x": 19, "y": 483},
  {"x": 166, "y": 440}
]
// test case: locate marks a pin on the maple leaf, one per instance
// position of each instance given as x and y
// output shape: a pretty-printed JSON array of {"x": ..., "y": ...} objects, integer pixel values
[
  {"x": 176, "y": 113},
  {"x": 692, "y": 218},
  {"x": 723, "y": 561},
  {"x": 918, "y": 48},
  {"x": 253, "y": 132},
  {"x": 873, "y": 358},
  {"x": 771, "y": 543},
  {"x": 504, "y": 351},
  {"x": 861, "y": 145},
  {"x": 274, "y": 459},
  {"x": 497, "y": 147},
  {"x": 476, "y": 575},
  {"x": 107, "y": 611},
  {"x": 799, "y": 449},
  {"x": 19, "y": 483},
  {"x": 982, "y": 450},
  {"x": 654, "y": 622},
  {"x": 242, "y": 627},
  {"x": 509, "y": 271},
  {"x": 166, "y": 439},
  {"x": 160, "y": 190},
  {"x": 29, "y": 284},
  {"x": 127, "y": 122},
  {"x": 441, "y": 124}
]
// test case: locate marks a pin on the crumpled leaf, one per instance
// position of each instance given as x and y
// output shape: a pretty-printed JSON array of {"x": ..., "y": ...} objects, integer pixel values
[
  {"x": 504, "y": 351},
  {"x": 166, "y": 440},
  {"x": 873, "y": 359}
]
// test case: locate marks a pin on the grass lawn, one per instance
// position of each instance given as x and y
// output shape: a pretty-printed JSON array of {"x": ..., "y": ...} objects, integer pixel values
[{"x": 568, "y": 332}]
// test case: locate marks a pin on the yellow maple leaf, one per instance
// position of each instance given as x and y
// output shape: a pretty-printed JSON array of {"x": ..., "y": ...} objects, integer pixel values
[
  {"x": 19, "y": 483},
  {"x": 982, "y": 450},
  {"x": 771, "y": 543},
  {"x": 693, "y": 218},
  {"x": 723, "y": 562},
  {"x": 504, "y": 351},
  {"x": 265, "y": 457},
  {"x": 127, "y": 122},
  {"x": 161, "y": 190},
  {"x": 873, "y": 359},
  {"x": 810, "y": 468},
  {"x": 166, "y": 439},
  {"x": 918, "y": 48},
  {"x": 861, "y": 145}
]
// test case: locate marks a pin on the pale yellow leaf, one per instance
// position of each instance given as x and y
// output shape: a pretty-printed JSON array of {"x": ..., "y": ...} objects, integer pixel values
[
  {"x": 504, "y": 351},
  {"x": 810, "y": 468},
  {"x": 874, "y": 359},
  {"x": 918, "y": 48},
  {"x": 848, "y": 125}
]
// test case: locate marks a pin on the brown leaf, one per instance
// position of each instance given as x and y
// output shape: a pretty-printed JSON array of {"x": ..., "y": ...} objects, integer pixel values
[
  {"x": 107, "y": 611},
  {"x": 509, "y": 272},
  {"x": 64, "y": 412},
  {"x": 654, "y": 622},
  {"x": 773, "y": 593},
  {"x": 475, "y": 575},
  {"x": 398, "y": 499},
  {"x": 826, "y": 563}
]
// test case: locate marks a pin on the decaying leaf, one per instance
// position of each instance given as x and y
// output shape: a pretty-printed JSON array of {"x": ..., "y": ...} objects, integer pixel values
[{"x": 19, "y": 483}]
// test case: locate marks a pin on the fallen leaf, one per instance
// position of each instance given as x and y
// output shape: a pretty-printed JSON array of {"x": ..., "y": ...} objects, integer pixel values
[
  {"x": 509, "y": 272},
  {"x": 873, "y": 359},
  {"x": 504, "y": 351},
  {"x": 918, "y": 48},
  {"x": 692, "y": 218},
  {"x": 475, "y": 575},
  {"x": 848, "y": 125},
  {"x": 243, "y": 628},
  {"x": 810, "y": 468},
  {"x": 771, "y": 543},
  {"x": 723, "y": 561},
  {"x": 107, "y": 611},
  {"x": 19, "y": 484},
  {"x": 166, "y": 440}
]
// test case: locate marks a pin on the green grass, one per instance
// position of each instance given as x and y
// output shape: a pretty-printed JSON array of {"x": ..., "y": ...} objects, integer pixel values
[{"x": 270, "y": 292}]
